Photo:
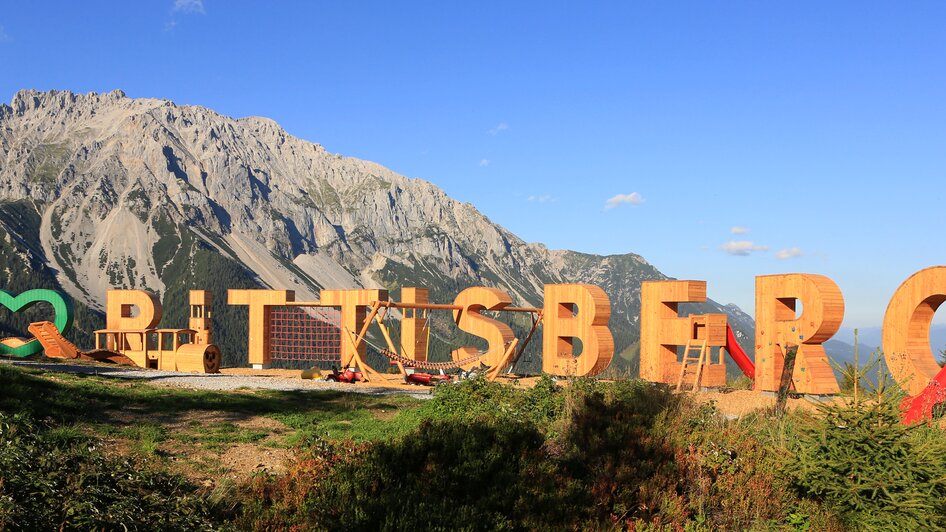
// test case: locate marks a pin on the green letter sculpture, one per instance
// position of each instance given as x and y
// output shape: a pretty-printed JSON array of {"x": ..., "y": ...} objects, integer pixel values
[{"x": 61, "y": 306}]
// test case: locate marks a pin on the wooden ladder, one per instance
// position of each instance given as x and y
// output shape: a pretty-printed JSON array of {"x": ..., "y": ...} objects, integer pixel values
[{"x": 700, "y": 359}]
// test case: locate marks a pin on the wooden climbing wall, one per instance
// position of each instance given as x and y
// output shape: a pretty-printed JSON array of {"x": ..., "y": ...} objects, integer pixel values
[{"x": 777, "y": 327}]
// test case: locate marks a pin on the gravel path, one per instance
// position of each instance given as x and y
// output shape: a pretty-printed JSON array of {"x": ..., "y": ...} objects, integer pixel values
[{"x": 217, "y": 381}]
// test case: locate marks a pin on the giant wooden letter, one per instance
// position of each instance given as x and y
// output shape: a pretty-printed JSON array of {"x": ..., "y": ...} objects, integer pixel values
[
  {"x": 663, "y": 330},
  {"x": 906, "y": 334},
  {"x": 120, "y": 307},
  {"x": 352, "y": 303},
  {"x": 777, "y": 328},
  {"x": 576, "y": 311},
  {"x": 260, "y": 303},
  {"x": 497, "y": 334},
  {"x": 415, "y": 324}
]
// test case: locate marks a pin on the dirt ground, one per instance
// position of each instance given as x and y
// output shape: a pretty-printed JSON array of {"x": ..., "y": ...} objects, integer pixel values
[
  {"x": 737, "y": 403},
  {"x": 732, "y": 403}
]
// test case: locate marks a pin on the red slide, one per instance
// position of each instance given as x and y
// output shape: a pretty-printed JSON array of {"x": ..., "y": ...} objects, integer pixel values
[
  {"x": 737, "y": 354},
  {"x": 920, "y": 406}
]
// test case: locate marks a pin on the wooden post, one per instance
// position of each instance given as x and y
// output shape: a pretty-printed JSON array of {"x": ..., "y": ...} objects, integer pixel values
[{"x": 785, "y": 383}]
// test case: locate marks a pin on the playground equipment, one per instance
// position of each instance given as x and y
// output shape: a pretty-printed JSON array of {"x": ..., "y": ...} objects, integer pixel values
[
  {"x": 738, "y": 355},
  {"x": 663, "y": 331},
  {"x": 778, "y": 326},
  {"x": 62, "y": 311},
  {"x": 335, "y": 329},
  {"x": 350, "y": 375},
  {"x": 906, "y": 341},
  {"x": 571, "y": 312},
  {"x": 502, "y": 356},
  {"x": 47, "y": 335},
  {"x": 919, "y": 408},
  {"x": 135, "y": 336},
  {"x": 906, "y": 332},
  {"x": 426, "y": 379},
  {"x": 56, "y": 346}
]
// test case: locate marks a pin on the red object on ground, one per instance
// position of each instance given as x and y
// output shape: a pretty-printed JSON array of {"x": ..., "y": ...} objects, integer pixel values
[
  {"x": 920, "y": 407},
  {"x": 738, "y": 355},
  {"x": 425, "y": 379},
  {"x": 349, "y": 375}
]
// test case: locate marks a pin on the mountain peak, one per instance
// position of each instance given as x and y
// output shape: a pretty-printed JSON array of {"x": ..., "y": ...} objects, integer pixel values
[{"x": 132, "y": 192}]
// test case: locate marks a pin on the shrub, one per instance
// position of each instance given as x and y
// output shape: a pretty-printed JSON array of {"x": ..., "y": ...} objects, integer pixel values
[
  {"x": 59, "y": 479},
  {"x": 876, "y": 472},
  {"x": 447, "y": 475}
]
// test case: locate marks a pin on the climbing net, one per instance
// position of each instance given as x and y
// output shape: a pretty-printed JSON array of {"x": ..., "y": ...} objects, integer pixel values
[{"x": 311, "y": 334}]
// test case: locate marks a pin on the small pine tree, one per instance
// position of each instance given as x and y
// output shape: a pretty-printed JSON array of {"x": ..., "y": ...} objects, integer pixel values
[{"x": 878, "y": 473}]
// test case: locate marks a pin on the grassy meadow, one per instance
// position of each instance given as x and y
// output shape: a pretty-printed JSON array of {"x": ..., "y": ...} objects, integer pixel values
[{"x": 85, "y": 452}]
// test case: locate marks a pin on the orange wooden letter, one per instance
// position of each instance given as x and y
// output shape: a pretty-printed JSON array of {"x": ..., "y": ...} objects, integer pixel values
[
  {"x": 777, "y": 328},
  {"x": 260, "y": 303},
  {"x": 906, "y": 334},
  {"x": 414, "y": 324},
  {"x": 497, "y": 334},
  {"x": 352, "y": 303},
  {"x": 662, "y": 330},
  {"x": 120, "y": 313},
  {"x": 120, "y": 306},
  {"x": 576, "y": 311}
]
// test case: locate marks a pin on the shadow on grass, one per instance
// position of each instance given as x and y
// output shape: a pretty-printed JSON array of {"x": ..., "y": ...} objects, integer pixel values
[{"x": 68, "y": 398}]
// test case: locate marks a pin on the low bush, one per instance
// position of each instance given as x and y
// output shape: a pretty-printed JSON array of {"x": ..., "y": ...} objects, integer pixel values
[
  {"x": 51, "y": 478},
  {"x": 875, "y": 472}
]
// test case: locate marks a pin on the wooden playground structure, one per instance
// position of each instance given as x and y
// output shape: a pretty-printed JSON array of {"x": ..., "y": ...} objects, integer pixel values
[
  {"x": 136, "y": 336},
  {"x": 496, "y": 358},
  {"x": 664, "y": 332},
  {"x": 686, "y": 352},
  {"x": 131, "y": 337},
  {"x": 336, "y": 330}
]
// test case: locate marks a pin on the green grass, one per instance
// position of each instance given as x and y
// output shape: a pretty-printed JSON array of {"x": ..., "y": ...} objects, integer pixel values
[
  {"x": 190, "y": 429},
  {"x": 216, "y": 436},
  {"x": 589, "y": 454}
]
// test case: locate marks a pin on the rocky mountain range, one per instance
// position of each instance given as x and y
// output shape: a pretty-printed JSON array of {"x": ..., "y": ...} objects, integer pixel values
[{"x": 102, "y": 191}]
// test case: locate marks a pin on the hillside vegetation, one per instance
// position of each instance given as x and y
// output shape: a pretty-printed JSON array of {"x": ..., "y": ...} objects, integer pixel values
[{"x": 84, "y": 452}]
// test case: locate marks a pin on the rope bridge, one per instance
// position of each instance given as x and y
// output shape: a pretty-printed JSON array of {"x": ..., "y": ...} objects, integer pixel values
[{"x": 423, "y": 364}]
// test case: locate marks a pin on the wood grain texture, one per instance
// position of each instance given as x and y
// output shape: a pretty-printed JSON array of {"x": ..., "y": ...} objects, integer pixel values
[
  {"x": 353, "y": 304},
  {"x": 663, "y": 331},
  {"x": 777, "y": 328},
  {"x": 132, "y": 310},
  {"x": 576, "y": 311},
  {"x": 414, "y": 324},
  {"x": 260, "y": 303},
  {"x": 200, "y": 316},
  {"x": 497, "y": 334},
  {"x": 906, "y": 333}
]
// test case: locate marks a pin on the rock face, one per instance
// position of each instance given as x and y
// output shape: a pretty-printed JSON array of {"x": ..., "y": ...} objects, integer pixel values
[{"x": 143, "y": 193}]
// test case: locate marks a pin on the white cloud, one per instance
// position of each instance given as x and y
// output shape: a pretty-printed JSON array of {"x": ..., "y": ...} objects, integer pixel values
[
  {"x": 4, "y": 36},
  {"x": 484, "y": 162},
  {"x": 789, "y": 253},
  {"x": 633, "y": 198},
  {"x": 189, "y": 6},
  {"x": 742, "y": 248},
  {"x": 502, "y": 126},
  {"x": 542, "y": 199},
  {"x": 738, "y": 230}
]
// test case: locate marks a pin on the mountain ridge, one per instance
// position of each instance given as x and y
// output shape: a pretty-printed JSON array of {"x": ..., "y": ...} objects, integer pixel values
[{"x": 134, "y": 193}]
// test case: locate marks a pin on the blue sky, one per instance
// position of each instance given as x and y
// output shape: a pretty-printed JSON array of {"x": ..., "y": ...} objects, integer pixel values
[{"x": 733, "y": 139}]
